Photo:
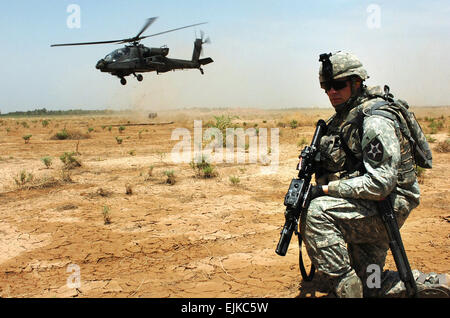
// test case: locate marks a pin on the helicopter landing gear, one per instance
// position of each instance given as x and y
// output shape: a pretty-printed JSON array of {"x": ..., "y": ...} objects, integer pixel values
[
  {"x": 123, "y": 81},
  {"x": 139, "y": 77}
]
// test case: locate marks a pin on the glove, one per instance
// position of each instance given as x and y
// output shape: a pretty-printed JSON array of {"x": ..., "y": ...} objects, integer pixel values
[{"x": 316, "y": 191}]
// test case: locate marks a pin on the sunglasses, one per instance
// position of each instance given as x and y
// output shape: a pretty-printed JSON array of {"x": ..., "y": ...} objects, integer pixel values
[{"x": 336, "y": 85}]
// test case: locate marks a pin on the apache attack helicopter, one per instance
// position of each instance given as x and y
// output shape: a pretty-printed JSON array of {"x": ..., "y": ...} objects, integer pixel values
[{"x": 136, "y": 58}]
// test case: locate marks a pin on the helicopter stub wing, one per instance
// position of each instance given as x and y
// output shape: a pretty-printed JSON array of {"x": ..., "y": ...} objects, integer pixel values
[
  {"x": 155, "y": 64},
  {"x": 205, "y": 61}
]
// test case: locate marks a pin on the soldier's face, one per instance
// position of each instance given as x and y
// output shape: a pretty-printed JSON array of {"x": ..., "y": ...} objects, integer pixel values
[{"x": 338, "y": 95}]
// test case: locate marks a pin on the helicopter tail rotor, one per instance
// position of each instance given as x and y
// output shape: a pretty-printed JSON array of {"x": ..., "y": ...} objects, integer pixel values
[
  {"x": 202, "y": 37},
  {"x": 204, "y": 41},
  {"x": 198, "y": 51}
]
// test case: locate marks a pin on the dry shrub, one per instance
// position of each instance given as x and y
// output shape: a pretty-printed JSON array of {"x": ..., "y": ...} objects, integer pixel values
[
  {"x": 106, "y": 215},
  {"x": 23, "y": 178},
  {"x": 443, "y": 146},
  {"x": 66, "y": 176},
  {"x": 420, "y": 173},
  {"x": 29, "y": 182},
  {"x": 102, "y": 192},
  {"x": 128, "y": 189},
  {"x": 203, "y": 169},
  {"x": 170, "y": 174},
  {"x": 70, "y": 135},
  {"x": 68, "y": 206},
  {"x": 69, "y": 160}
]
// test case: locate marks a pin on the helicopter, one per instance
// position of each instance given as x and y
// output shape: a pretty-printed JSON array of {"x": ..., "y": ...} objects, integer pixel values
[{"x": 136, "y": 58}]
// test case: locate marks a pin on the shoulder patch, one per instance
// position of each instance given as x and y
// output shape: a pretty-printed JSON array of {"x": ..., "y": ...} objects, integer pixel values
[{"x": 374, "y": 150}]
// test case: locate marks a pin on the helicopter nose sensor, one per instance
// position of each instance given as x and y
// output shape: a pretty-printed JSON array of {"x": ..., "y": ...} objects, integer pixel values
[{"x": 100, "y": 64}]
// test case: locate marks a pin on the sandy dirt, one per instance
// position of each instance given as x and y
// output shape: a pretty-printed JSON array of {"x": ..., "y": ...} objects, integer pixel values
[{"x": 195, "y": 238}]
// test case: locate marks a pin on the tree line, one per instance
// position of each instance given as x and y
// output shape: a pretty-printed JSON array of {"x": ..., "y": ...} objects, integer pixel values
[{"x": 45, "y": 112}]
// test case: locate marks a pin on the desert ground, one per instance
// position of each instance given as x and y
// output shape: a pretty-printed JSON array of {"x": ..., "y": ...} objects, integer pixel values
[{"x": 115, "y": 227}]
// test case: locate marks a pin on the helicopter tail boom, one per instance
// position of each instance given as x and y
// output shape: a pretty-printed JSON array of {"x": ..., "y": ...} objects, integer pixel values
[{"x": 197, "y": 50}]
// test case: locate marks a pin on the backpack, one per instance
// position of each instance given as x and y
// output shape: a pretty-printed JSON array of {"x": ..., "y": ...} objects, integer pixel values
[{"x": 409, "y": 126}]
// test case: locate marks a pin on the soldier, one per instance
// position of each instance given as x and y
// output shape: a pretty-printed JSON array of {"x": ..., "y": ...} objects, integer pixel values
[{"x": 360, "y": 164}]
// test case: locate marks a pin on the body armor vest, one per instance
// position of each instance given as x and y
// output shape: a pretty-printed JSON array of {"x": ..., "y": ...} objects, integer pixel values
[{"x": 341, "y": 153}]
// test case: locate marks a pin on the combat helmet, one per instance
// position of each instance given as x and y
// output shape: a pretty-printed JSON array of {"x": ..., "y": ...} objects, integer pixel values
[{"x": 339, "y": 65}]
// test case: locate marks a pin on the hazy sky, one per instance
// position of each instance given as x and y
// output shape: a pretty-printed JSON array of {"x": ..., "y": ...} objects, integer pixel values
[{"x": 265, "y": 52}]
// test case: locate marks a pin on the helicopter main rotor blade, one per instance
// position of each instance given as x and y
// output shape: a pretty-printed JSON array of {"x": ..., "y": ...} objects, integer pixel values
[
  {"x": 146, "y": 25},
  {"x": 137, "y": 38},
  {"x": 188, "y": 26},
  {"x": 87, "y": 43}
]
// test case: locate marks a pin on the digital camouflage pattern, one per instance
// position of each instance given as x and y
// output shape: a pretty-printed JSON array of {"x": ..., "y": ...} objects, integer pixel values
[
  {"x": 344, "y": 65},
  {"x": 364, "y": 157},
  {"x": 382, "y": 170},
  {"x": 343, "y": 231}
]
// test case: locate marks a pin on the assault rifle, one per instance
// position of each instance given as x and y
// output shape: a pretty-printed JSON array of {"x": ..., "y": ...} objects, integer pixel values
[
  {"x": 298, "y": 197},
  {"x": 386, "y": 213}
]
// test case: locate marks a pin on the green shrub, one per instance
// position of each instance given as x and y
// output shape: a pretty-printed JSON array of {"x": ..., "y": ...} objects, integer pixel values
[
  {"x": 27, "y": 138},
  {"x": 435, "y": 125},
  {"x": 69, "y": 160},
  {"x": 150, "y": 173},
  {"x": 23, "y": 178},
  {"x": 430, "y": 139},
  {"x": 62, "y": 135},
  {"x": 209, "y": 172},
  {"x": 234, "y": 180},
  {"x": 161, "y": 155},
  {"x": 47, "y": 161},
  {"x": 170, "y": 174},
  {"x": 202, "y": 168},
  {"x": 222, "y": 123},
  {"x": 106, "y": 215},
  {"x": 293, "y": 123},
  {"x": 70, "y": 135}
]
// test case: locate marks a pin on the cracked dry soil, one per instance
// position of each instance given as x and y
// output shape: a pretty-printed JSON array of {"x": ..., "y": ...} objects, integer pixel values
[{"x": 195, "y": 238}]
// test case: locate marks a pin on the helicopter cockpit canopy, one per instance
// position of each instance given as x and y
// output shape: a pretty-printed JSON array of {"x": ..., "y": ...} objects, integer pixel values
[{"x": 117, "y": 54}]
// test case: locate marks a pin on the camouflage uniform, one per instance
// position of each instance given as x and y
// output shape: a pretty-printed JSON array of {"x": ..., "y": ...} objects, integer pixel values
[{"x": 343, "y": 232}]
